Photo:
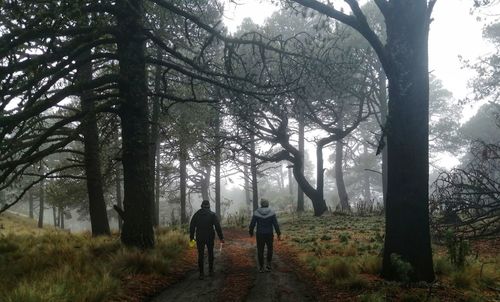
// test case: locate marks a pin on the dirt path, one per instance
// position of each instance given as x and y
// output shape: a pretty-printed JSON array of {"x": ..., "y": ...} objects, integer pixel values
[{"x": 237, "y": 279}]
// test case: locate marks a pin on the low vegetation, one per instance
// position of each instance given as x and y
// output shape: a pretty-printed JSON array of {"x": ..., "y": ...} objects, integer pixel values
[
  {"x": 52, "y": 265},
  {"x": 345, "y": 252}
]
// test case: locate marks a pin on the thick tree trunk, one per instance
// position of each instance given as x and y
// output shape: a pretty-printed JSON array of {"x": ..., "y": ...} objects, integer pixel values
[
  {"x": 290, "y": 181},
  {"x": 118, "y": 188},
  {"x": 383, "y": 119},
  {"x": 320, "y": 176},
  {"x": 300, "y": 192},
  {"x": 138, "y": 189},
  {"x": 183, "y": 178},
  {"x": 155, "y": 135},
  {"x": 339, "y": 177},
  {"x": 407, "y": 206},
  {"x": 97, "y": 205},
  {"x": 157, "y": 185},
  {"x": 253, "y": 170},
  {"x": 218, "y": 151}
]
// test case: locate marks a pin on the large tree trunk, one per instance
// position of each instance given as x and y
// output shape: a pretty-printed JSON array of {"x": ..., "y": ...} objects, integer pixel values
[
  {"x": 118, "y": 188},
  {"x": 339, "y": 177},
  {"x": 157, "y": 185},
  {"x": 300, "y": 192},
  {"x": 407, "y": 206},
  {"x": 183, "y": 178},
  {"x": 253, "y": 170},
  {"x": 290, "y": 181},
  {"x": 138, "y": 189},
  {"x": 97, "y": 206},
  {"x": 246, "y": 176},
  {"x": 217, "y": 184},
  {"x": 155, "y": 135},
  {"x": 382, "y": 79},
  {"x": 205, "y": 182}
]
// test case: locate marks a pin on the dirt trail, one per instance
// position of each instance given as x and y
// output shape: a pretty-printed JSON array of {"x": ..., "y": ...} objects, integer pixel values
[{"x": 237, "y": 279}]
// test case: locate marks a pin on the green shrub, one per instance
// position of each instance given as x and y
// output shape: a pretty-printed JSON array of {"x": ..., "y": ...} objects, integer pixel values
[
  {"x": 370, "y": 264},
  {"x": 462, "y": 279},
  {"x": 458, "y": 249},
  {"x": 443, "y": 267},
  {"x": 402, "y": 268},
  {"x": 344, "y": 237}
]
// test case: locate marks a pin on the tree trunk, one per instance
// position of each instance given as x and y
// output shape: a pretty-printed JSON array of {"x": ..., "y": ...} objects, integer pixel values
[
  {"x": 118, "y": 188},
  {"x": 183, "y": 178},
  {"x": 30, "y": 203},
  {"x": 383, "y": 119},
  {"x": 97, "y": 205},
  {"x": 42, "y": 202},
  {"x": 339, "y": 177},
  {"x": 54, "y": 215},
  {"x": 61, "y": 217},
  {"x": 407, "y": 206},
  {"x": 253, "y": 170},
  {"x": 300, "y": 192},
  {"x": 205, "y": 183},
  {"x": 290, "y": 182},
  {"x": 246, "y": 176},
  {"x": 367, "y": 195},
  {"x": 155, "y": 136},
  {"x": 320, "y": 176},
  {"x": 138, "y": 189},
  {"x": 157, "y": 185}
]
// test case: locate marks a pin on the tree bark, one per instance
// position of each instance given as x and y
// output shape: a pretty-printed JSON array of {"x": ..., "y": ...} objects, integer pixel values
[
  {"x": 42, "y": 202},
  {"x": 300, "y": 192},
  {"x": 54, "y": 215},
  {"x": 183, "y": 178},
  {"x": 118, "y": 188},
  {"x": 97, "y": 206},
  {"x": 205, "y": 182},
  {"x": 138, "y": 190},
  {"x": 246, "y": 176},
  {"x": 382, "y": 79},
  {"x": 253, "y": 170},
  {"x": 157, "y": 185},
  {"x": 367, "y": 195},
  {"x": 339, "y": 177},
  {"x": 290, "y": 181},
  {"x": 155, "y": 134},
  {"x": 61, "y": 217},
  {"x": 30, "y": 203},
  {"x": 407, "y": 206}
]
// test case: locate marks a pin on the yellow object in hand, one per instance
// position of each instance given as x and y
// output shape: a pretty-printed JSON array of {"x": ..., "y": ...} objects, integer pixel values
[{"x": 191, "y": 243}]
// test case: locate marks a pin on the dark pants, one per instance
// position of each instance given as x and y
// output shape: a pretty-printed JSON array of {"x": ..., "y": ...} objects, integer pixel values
[
  {"x": 201, "y": 254},
  {"x": 264, "y": 239}
]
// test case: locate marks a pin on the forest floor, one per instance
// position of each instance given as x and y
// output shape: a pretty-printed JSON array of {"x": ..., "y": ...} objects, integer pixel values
[{"x": 332, "y": 258}]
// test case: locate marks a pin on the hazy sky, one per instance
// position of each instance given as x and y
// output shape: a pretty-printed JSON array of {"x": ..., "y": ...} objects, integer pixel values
[{"x": 454, "y": 32}]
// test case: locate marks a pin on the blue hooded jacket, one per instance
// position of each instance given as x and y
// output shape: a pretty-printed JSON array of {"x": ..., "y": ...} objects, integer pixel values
[{"x": 265, "y": 218}]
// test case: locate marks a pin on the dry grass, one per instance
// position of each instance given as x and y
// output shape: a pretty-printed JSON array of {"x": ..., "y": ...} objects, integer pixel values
[{"x": 51, "y": 265}]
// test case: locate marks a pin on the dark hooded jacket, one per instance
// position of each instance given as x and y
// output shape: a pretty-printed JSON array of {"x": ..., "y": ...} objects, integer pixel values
[
  {"x": 265, "y": 218},
  {"x": 203, "y": 222}
]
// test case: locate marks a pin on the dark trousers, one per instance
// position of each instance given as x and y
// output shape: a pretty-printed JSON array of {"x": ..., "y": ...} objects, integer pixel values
[
  {"x": 201, "y": 254},
  {"x": 262, "y": 240}
]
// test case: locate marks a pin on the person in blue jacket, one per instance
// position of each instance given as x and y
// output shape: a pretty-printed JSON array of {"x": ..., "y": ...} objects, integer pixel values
[{"x": 265, "y": 219}]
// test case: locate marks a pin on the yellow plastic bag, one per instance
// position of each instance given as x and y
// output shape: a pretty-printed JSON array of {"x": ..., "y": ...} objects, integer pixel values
[{"x": 192, "y": 243}]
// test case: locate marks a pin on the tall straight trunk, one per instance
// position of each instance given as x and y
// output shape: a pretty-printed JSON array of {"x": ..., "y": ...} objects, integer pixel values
[
  {"x": 54, "y": 215},
  {"x": 157, "y": 185},
  {"x": 61, "y": 217},
  {"x": 118, "y": 188},
  {"x": 300, "y": 192},
  {"x": 290, "y": 181},
  {"x": 246, "y": 176},
  {"x": 339, "y": 176},
  {"x": 97, "y": 205},
  {"x": 253, "y": 170},
  {"x": 155, "y": 134},
  {"x": 30, "y": 203},
  {"x": 138, "y": 190},
  {"x": 407, "y": 204},
  {"x": 367, "y": 195},
  {"x": 205, "y": 182},
  {"x": 217, "y": 184},
  {"x": 42, "y": 203},
  {"x": 320, "y": 176},
  {"x": 382, "y": 79},
  {"x": 183, "y": 178}
]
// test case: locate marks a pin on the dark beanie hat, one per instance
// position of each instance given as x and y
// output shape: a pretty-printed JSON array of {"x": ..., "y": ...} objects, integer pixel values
[{"x": 205, "y": 204}]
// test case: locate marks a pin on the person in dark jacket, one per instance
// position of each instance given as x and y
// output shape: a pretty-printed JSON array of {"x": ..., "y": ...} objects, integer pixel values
[
  {"x": 265, "y": 219},
  {"x": 203, "y": 223}
]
